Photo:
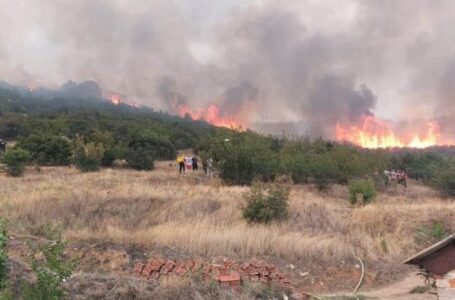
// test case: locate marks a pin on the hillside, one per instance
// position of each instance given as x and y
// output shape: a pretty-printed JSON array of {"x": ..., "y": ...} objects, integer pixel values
[{"x": 117, "y": 217}]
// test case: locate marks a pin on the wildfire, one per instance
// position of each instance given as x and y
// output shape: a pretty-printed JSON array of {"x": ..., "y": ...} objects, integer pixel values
[
  {"x": 375, "y": 133},
  {"x": 212, "y": 115},
  {"x": 115, "y": 99}
]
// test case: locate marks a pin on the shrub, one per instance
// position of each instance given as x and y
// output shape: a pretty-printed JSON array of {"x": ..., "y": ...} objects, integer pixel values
[
  {"x": 444, "y": 179},
  {"x": 51, "y": 271},
  {"x": 144, "y": 149},
  {"x": 242, "y": 157},
  {"x": 265, "y": 204},
  {"x": 140, "y": 158},
  {"x": 15, "y": 160},
  {"x": 433, "y": 233},
  {"x": 48, "y": 150},
  {"x": 111, "y": 148},
  {"x": 323, "y": 170},
  {"x": 87, "y": 157},
  {"x": 362, "y": 191}
]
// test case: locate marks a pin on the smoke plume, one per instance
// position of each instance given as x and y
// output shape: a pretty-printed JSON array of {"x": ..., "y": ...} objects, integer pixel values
[{"x": 301, "y": 66}]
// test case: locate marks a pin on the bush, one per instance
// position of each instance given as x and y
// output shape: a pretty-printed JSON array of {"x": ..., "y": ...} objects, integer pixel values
[
  {"x": 265, "y": 204},
  {"x": 15, "y": 160},
  {"x": 444, "y": 179},
  {"x": 111, "y": 148},
  {"x": 141, "y": 153},
  {"x": 87, "y": 157},
  {"x": 51, "y": 271},
  {"x": 362, "y": 191},
  {"x": 323, "y": 170},
  {"x": 242, "y": 157},
  {"x": 50, "y": 150}
]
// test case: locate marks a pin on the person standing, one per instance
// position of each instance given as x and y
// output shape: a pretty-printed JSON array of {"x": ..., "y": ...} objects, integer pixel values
[
  {"x": 181, "y": 162},
  {"x": 195, "y": 160},
  {"x": 209, "y": 167}
]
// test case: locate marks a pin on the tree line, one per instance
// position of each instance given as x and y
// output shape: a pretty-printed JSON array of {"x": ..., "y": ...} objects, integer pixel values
[{"x": 93, "y": 133}]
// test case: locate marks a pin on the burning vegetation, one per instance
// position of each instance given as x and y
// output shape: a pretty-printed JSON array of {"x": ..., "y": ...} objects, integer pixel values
[{"x": 375, "y": 133}]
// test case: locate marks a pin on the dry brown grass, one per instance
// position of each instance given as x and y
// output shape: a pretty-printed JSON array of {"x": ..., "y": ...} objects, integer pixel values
[{"x": 198, "y": 216}]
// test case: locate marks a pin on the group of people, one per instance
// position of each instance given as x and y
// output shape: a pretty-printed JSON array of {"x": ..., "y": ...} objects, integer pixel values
[
  {"x": 191, "y": 163},
  {"x": 399, "y": 177}
]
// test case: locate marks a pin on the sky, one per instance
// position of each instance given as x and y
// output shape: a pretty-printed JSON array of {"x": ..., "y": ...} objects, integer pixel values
[{"x": 315, "y": 63}]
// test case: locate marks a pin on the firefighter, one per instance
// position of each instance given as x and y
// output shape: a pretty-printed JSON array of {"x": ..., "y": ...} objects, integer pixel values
[{"x": 181, "y": 162}]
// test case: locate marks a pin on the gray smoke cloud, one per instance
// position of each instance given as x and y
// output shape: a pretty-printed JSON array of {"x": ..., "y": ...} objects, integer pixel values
[{"x": 300, "y": 66}]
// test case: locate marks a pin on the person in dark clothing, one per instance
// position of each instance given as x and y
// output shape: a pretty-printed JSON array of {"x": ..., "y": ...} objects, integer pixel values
[
  {"x": 2, "y": 145},
  {"x": 194, "y": 163}
]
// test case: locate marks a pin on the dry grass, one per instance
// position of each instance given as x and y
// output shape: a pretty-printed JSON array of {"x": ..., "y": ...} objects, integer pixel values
[{"x": 202, "y": 217}]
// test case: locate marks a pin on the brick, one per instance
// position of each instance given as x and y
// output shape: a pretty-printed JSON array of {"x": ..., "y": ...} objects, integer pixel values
[
  {"x": 452, "y": 283},
  {"x": 148, "y": 269},
  {"x": 156, "y": 264},
  {"x": 138, "y": 269},
  {"x": 232, "y": 277}
]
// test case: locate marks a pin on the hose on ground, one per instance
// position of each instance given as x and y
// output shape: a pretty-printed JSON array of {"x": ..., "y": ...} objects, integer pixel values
[{"x": 361, "y": 276}]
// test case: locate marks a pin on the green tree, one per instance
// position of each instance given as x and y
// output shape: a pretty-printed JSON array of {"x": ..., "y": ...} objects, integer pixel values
[
  {"x": 264, "y": 204},
  {"x": 15, "y": 160},
  {"x": 87, "y": 157},
  {"x": 444, "y": 178},
  {"x": 242, "y": 157},
  {"x": 48, "y": 150}
]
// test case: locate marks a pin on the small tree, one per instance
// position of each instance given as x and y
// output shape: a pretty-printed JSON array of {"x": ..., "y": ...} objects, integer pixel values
[
  {"x": 52, "y": 270},
  {"x": 265, "y": 204},
  {"x": 45, "y": 149},
  {"x": 87, "y": 156},
  {"x": 15, "y": 160},
  {"x": 444, "y": 179},
  {"x": 142, "y": 152},
  {"x": 362, "y": 191}
]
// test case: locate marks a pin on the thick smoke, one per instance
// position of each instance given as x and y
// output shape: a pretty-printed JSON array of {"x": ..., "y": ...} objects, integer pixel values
[{"x": 300, "y": 66}]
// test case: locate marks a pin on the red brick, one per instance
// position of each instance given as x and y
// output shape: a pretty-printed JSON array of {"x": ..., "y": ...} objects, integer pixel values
[
  {"x": 233, "y": 277},
  {"x": 138, "y": 269},
  {"x": 452, "y": 283},
  {"x": 148, "y": 269}
]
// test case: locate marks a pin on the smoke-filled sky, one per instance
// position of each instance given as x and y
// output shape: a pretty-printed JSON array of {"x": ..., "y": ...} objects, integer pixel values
[{"x": 314, "y": 62}]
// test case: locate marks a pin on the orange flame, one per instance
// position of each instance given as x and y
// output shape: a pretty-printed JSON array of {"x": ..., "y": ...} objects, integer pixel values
[
  {"x": 211, "y": 115},
  {"x": 115, "y": 99},
  {"x": 375, "y": 133}
]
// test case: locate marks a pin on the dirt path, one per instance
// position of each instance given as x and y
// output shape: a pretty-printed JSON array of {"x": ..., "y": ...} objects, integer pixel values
[{"x": 400, "y": 290}]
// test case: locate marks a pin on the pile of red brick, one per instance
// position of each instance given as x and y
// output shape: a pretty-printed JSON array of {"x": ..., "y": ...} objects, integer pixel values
[{"x": 228, "y": 273}]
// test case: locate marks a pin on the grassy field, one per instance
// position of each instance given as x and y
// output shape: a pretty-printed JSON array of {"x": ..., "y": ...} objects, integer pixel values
[{"x": 194, "y": 216}]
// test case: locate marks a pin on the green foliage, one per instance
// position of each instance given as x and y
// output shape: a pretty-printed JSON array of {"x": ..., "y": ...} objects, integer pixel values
[
  {"x": 15, "y": 160},
  {"x": 3, "y": 256},
  {"x": 87, "y": 157},
  {"x": 50, "y": 150},
  {"x": 111, "y": 148},
  {"x": 50, "y": 271},
  {"x": 264, "y": 204},
  {"x": 243, "y": 156},
  {"x": 444, "y": 178},
  {"x": 430, "y": 233},
  {"x": 143, "y": 150},
  {"x": 420, "y": 289},
  {"x": 362, "y": 191},
  {"x": 323, "y": 169}
]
